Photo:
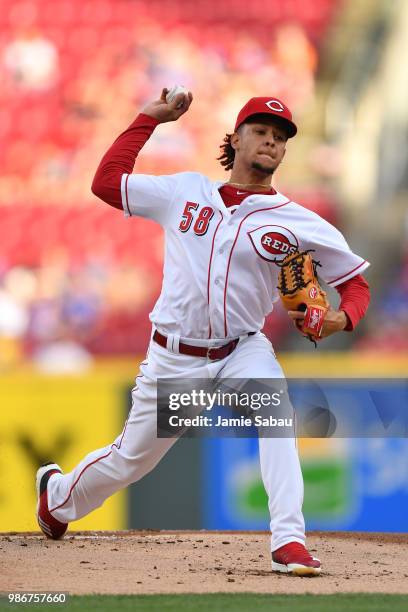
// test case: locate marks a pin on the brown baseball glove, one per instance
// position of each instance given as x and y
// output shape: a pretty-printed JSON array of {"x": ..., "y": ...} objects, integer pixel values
[{"x": 299, "y": 289}]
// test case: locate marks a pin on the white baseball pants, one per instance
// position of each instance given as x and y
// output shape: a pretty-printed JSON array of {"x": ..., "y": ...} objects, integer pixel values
[{"x": 137, "y": 450}]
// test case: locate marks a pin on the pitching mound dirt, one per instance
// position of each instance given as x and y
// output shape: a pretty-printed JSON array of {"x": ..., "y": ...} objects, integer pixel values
[{"x": 199, "y": 562}]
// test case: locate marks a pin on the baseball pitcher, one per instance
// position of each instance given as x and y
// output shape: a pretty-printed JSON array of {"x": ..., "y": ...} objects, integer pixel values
[{"x": 231, "y": 248}]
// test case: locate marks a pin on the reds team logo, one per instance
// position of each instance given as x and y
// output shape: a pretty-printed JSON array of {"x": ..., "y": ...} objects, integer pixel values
[
  {"x": 273, "y": 242},
  {"x": 275, "y": 105}
]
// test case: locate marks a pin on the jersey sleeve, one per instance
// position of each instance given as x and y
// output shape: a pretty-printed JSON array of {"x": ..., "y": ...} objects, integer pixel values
[
  {"x": 149, "y": 196},
  {"x": 337, "y": 260}
]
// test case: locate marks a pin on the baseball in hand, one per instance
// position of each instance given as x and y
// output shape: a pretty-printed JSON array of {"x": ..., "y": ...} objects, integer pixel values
[{"x": 173, "y": 92}]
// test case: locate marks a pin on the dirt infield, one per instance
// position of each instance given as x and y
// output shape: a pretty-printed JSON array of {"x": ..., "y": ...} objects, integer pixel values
[{"x": 197, "y": 562}]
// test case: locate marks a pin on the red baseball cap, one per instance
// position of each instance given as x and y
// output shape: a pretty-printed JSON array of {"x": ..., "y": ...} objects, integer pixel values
[{"x": 267, "y": 106}]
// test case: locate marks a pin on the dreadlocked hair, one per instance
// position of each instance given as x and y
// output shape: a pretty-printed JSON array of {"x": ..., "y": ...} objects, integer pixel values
[{"x": 227, "y": 156}]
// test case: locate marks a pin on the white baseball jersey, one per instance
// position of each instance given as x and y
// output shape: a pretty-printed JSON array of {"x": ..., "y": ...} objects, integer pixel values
[
  {"x": 220, "y": 269},
  {"x": 220, "y": 278}
]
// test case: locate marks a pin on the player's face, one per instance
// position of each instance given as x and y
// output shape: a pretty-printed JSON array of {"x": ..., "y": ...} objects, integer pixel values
[{"x": 260, "y": 146}]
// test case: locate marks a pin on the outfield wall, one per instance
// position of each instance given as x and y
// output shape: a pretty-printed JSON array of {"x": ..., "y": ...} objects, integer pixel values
[{"x": 349, "y": 484}]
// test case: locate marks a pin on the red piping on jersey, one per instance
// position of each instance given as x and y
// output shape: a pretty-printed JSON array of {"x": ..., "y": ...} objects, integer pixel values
[
  {"x": 232, "y": 248},
  {"x": 88, "y": 466},
  {"x": 99, "y": 458},
  {"x": 126, "y": 195},
  {"x": 209, "y": 273},
  {"x": 347, "y": 273}
]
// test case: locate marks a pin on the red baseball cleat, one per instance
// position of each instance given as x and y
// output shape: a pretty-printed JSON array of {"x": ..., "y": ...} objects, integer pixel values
[
  {"x": 294, "y": 558},
  {"x": 49, "y": 525}
]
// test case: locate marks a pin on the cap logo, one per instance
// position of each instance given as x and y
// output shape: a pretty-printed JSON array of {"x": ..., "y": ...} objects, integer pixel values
[{"x": 275, "y": 106}]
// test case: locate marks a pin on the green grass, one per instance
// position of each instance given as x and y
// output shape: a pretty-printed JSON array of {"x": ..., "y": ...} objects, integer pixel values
[{"x": 226, "y": 602}]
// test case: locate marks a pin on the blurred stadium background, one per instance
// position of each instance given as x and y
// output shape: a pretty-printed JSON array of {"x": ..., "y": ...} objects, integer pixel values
[{"x": 77, "y": 281}]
